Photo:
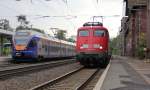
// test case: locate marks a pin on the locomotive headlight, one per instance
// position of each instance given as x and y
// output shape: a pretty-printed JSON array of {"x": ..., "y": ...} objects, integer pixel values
[{"x": 100, "y": 47}]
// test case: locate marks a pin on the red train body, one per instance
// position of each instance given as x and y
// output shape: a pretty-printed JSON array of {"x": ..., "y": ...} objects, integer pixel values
[{"x": 92, "y": 45}]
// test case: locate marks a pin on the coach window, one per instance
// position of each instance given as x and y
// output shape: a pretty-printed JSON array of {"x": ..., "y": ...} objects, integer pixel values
[
  {"x": 84, "y": 33},
  {"x": 99, "y": 33}
]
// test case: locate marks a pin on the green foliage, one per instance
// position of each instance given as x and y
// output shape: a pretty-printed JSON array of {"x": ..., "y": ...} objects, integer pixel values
[
  {"x": 5, "y": 50},
  {"x": 4, "y": 24},
  {"x": 21, "y": 18},
  {"x": 114, "y": 45},
  {"x": 71, "y": 40},
  {"x": 141, "y": 45},
  {"x": 61, "y": 34}
]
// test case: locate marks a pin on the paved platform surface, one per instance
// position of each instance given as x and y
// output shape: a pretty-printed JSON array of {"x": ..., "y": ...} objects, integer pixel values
[
  {"x": 127, "y": 74},
  {"x": 5, "y": 58}
]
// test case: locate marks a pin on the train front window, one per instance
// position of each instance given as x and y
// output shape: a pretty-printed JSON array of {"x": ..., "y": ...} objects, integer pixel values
[
  {"x": 21, "y": 34},
  {"x": 99, "y": 33},
  {"x": 20, "y": 41},
  {"x": 84, "y": 33}
]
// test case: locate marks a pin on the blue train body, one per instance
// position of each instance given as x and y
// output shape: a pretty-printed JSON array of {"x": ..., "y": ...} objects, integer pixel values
[{"x": 29, "y": 45}]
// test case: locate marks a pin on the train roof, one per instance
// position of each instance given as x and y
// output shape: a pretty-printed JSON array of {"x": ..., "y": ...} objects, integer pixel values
[
  {"x": 31, "y": 29},
  {"x": 93, "y": 24},
  {"x": 92, "y": 27},
  {"x": 55, "y": 40},
  {"x": 36, "y": 33}
]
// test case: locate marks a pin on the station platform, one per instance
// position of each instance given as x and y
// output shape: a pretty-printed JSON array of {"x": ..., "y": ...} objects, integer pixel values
[
  {"x": 5, "y": 58},
  {"x": 127, "y": 73}
]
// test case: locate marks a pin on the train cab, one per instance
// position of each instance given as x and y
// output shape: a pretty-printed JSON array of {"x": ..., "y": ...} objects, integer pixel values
[
  {"x": 92, "y": 43},
  {"x": 24, "y": 45}
]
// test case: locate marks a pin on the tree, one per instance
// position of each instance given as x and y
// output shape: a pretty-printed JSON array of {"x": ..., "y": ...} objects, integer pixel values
[
  {"x": 114, "y": 45},
  {"x": 4, "y": 24},
  {"x": 23, "y": 21},
  {"x": 71, "y": 39},
  {"x": 141, "y": 45},
  {"x": 61, "y": 34}
]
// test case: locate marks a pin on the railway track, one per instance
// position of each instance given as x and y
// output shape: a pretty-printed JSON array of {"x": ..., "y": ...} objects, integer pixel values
[
  {"x": 74, "y": 80},
  {"x": 10, "y": 64},
  {"x": 12, "y": 71}
]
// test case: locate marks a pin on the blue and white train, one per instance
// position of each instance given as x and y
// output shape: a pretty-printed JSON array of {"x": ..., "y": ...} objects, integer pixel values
[{"x": 33, "y": 44}]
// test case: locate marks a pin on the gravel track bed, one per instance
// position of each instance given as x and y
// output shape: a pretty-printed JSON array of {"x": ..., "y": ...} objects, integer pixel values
[
  {"x": 11, "y": 66},
  {"x": 6, "y": 64},
  {"x": 9, "y": 63},
  {"x": 27, "y": 64},
  {"x": 27, "y": 81},
  {"x": 94, "y": 81},
  {"x": 73, "y": 81}
]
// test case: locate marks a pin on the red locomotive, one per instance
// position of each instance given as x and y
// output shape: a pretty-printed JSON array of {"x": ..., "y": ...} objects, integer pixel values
[{"x": 92, "y": 45}]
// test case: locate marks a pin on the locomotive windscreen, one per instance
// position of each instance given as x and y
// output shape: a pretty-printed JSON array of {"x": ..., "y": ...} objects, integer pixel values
[
  {"x": 21, "y": 41},
  {"x": 83, "y": 33},
  {"x": 100, "y": 33},
  {"x": 22, "y": 33},
  {"x": 21, "y": 38}
]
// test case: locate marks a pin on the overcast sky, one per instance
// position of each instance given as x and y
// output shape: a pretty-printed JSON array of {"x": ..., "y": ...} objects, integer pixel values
[{"x": 82, "y": 9}]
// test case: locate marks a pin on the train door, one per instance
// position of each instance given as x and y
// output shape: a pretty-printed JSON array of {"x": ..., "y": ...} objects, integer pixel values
[
  {"x": 61, "y": 49},
  {"x": 49, "y": 49},
  {"x": 32, "y": 46},
  {"x": 39, "y": 52}
]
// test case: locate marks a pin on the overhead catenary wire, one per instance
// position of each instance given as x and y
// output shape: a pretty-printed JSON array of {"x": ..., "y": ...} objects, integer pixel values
[
  {"x": 65, "y": 16},
  {"x": 45, "y": 5}
]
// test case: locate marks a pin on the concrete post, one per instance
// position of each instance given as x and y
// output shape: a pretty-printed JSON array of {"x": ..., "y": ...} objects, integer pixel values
[
  {"x": 1, "y": 45},
  {"x": 133, "y": 34},
  {"x": 148, "y": 27}
]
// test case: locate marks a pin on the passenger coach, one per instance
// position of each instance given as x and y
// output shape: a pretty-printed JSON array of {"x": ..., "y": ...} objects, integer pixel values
[{"x": 33, "y": 44}]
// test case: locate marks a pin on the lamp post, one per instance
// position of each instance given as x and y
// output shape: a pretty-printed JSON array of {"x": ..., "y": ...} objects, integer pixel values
[{"x": 148, "y": 29}]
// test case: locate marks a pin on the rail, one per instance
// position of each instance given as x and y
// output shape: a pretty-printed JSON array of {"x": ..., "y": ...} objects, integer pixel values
[
  {"x": 80, "y": 86},
  {"x": 26, "y": 68}
]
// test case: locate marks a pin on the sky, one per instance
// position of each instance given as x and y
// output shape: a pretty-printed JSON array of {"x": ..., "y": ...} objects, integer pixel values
[{"x": 75, "y": 12}]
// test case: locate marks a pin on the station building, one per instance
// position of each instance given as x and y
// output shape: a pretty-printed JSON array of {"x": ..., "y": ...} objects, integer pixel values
[
  {"x": 6, "y": 34},
  {"x": 134, "y": 28}
]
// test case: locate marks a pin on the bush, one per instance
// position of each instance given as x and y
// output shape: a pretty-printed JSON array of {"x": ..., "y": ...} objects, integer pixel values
[{"x": 141, "y": 46}]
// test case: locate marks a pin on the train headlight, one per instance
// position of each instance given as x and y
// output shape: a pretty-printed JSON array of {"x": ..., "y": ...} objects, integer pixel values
[{"x": 100, "y": 47}]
